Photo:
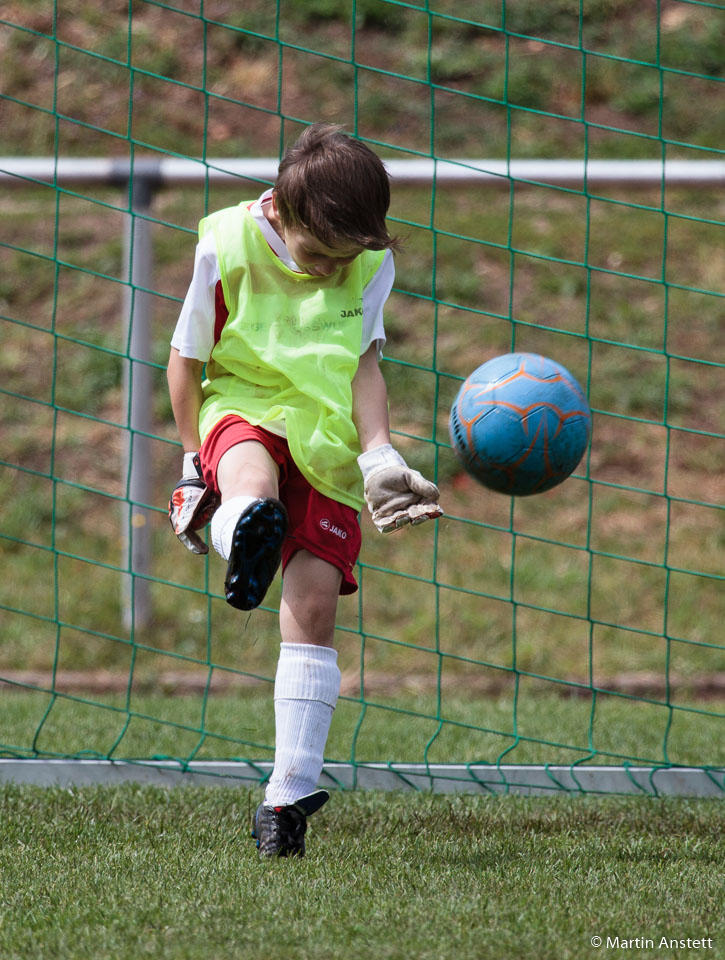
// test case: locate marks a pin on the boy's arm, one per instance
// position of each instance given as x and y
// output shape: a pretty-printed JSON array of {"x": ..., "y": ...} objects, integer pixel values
[
  {"x": 192, "y": 503},
  {"x": 395, "y": 494},
  {"x": 184, "y": 378},
  {"x": 370, "y": 402}
]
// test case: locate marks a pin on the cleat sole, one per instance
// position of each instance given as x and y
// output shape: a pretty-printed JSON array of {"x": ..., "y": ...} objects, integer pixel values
[{"x": 256, "y": 553}]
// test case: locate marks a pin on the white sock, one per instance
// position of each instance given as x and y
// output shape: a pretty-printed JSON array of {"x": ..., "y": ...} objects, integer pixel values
[
  {"x": 225, "y": 520},
  {"x": 306, "y": 688}
]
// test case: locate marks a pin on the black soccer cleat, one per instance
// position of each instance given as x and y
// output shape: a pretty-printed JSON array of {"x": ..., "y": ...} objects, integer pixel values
[
  {"x": 280, "y": 831},
  {"x": 256, "y": 553}
]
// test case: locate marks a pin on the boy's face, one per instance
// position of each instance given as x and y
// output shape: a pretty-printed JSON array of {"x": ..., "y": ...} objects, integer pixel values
[{"x": 314, "y": 257}]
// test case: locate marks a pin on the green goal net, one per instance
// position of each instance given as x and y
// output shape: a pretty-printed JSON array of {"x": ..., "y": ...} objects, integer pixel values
[{"x": 557, "y": 177}]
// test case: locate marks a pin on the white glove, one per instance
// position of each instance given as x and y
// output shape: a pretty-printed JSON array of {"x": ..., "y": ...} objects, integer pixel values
[
  {"x": 395, "y": 494},
  {"x": 192, "y": 505}
]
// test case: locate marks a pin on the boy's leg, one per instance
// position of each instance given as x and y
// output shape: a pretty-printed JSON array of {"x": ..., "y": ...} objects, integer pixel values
[
  {"x": 250, "y": 525},
  {"x": 308, "y": 609},
  {"x": 308, "y": 678},
  {"x": 307, "y": 685}
]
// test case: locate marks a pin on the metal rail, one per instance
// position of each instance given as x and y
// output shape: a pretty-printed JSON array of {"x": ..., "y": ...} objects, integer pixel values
[{"x": 176, "y": 171}]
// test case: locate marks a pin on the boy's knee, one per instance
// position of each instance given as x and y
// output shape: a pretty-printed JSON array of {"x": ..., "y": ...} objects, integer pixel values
[
  {"x": 249, "y": 469},
  {"x": 314, "y": 613}
]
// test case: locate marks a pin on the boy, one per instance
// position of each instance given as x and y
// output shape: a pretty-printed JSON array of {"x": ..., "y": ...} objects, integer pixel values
[{"x": 290, "y": 429}]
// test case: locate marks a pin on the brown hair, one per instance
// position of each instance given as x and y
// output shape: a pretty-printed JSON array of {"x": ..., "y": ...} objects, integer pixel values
[{"x": 336, "y": 187}]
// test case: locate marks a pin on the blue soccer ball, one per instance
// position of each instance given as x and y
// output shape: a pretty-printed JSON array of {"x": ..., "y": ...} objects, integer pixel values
[{"x": 520, "y": 424}]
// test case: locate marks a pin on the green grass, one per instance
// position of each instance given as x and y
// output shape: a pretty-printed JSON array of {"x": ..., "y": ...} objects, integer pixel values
[
  {"x": 123, "y": 873},
  {"x": 529, "y": 722}
]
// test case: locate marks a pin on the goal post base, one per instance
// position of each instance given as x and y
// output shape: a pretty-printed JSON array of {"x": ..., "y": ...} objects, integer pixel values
[{"x": 531, "y": 780}]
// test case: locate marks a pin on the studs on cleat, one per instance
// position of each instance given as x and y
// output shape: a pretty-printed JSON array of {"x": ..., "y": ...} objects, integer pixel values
[{"x": 256, "y": 553}]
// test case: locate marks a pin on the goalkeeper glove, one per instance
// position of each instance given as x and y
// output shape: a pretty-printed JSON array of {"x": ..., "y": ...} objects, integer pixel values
[
  {"x": 395, "y": 494},
  {"x": 192, "y": 505}
]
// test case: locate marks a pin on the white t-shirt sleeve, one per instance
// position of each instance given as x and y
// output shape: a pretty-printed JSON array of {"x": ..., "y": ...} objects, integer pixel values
[
  {"x": 375, "y": 295},
  {"x": 194, "y": 333}
]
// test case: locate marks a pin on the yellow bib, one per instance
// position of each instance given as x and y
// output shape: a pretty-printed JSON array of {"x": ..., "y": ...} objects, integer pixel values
[{"x": 289, "y": 351}]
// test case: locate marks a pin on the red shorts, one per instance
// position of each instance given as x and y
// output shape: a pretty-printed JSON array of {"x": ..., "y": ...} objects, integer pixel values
[{"x": 326, "y": 528}]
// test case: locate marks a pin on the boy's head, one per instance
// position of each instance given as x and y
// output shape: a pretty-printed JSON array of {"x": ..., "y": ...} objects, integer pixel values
[{"x": 336, "y": 188}]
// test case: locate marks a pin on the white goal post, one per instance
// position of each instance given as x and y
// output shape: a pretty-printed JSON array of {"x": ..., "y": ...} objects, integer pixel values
[{"x": 171, "y": 171}]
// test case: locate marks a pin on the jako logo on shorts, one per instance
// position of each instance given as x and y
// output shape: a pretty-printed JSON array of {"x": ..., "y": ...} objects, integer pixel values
[{"x": 326, "y": 525}]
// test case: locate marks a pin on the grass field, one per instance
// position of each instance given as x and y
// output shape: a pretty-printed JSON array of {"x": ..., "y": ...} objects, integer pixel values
[{"x": 123, "y": 873}]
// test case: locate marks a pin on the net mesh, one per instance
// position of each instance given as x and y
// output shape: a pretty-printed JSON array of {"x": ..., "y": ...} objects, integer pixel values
[{"x": 579, "y": 626}]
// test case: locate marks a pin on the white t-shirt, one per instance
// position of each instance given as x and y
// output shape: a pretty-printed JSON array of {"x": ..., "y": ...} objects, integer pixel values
[{"x": 194, "y": 333}]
